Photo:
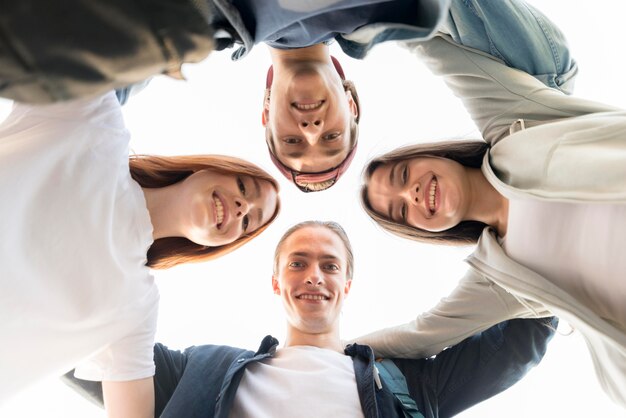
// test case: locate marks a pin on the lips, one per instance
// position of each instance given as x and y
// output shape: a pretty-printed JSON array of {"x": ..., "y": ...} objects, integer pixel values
[
  {"x": 220, "y": 212},
  {"x": 307, "y": 107}
]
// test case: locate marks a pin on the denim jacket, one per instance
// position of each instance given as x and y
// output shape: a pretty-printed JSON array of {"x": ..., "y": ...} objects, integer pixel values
[
  {"x": 202, "y": 381},
  {"x": 357, "y": 44}
]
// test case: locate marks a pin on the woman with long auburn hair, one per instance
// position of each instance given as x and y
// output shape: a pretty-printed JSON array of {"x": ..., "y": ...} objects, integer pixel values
[
  {"x": 543, "y": 199},
  {"x": 81, "y": 226}
]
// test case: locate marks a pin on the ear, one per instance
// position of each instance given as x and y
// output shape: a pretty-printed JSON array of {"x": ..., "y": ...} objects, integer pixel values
[
  {"x": 275, "y": 286},
  {"x": 354, "y": 109},
  {"x": 265, "y": 115},
  {"x": 347, "y": 287}
]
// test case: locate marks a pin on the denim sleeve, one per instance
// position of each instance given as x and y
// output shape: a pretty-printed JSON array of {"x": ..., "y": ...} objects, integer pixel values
[
  {"x": 516, "y": 33},
  {"x": 479, "y": 367}
]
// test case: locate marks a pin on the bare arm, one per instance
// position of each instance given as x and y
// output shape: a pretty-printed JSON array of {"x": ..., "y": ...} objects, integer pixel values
[{"x": 129, "y": 399}]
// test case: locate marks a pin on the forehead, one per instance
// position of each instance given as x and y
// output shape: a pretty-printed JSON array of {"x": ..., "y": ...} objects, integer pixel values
[
  {"x": 316, "y": 241},
  {"x": 313, "y": 159},
  {"x": 380, "y": 188}
]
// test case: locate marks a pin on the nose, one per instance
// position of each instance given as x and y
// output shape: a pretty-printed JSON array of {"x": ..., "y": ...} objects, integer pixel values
[
  {"x": 311, "y": 128},
  {"x": 314, "y": 276},
  {"x": 241, "y": 207},
  {"x": 411, "y": 193},
  {"x": 312, "y": 123}
]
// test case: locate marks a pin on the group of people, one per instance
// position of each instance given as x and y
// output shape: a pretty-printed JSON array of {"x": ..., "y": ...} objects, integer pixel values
[{"x": 85, "y": 223}]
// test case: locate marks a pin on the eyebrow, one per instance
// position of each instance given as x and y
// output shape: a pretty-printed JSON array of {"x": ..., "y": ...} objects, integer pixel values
[
  {"x": 259, "y": 214},
  {"x": 305, "y": 254},
  {"x": 296, "y": 154},
  {"x": 393, "y": 175},
  {"x": 257, "y": 186},
  {"x": 333, "y": 152}
]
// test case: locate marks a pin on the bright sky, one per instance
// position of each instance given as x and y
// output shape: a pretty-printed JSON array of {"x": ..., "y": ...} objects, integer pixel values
[{"x": 229, "y": 301}]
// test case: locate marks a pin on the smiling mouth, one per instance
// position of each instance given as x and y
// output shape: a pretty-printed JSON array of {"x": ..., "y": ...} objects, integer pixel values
[
  {"x": 308, "y": 106},
  {"x": 432, "y": 195},
  {"x": 219, "y": 211},
  {"x": 312, "y": 297}
]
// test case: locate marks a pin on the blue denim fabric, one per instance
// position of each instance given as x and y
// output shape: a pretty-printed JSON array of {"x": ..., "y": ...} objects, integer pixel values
[{"x": 516, "y": 33}]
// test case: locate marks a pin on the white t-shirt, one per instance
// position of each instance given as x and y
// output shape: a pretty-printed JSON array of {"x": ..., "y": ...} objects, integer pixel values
[
  {"x": 299, "y": 381},
  {"x": 579, "y": 247},
  {"x": 74, "y": 233}
]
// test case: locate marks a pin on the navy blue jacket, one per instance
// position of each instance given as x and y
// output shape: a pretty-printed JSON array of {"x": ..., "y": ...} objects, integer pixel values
[{"x": 202, "y": 380}]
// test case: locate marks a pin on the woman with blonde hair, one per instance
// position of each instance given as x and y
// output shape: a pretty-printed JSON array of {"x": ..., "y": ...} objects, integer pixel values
[
  {"x": 81, "y": 226},
  {"x": 543, "y": 199}
]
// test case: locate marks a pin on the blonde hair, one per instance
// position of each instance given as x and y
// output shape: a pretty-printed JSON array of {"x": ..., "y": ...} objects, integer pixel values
[{"x": 152, "y": 171}]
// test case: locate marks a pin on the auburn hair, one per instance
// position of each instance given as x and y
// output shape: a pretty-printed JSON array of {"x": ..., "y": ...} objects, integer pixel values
[{"x": 152, "y": 171}]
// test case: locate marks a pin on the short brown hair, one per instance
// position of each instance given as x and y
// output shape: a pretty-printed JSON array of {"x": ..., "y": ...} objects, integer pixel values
[
  {"x": 152, "y": 171},
  {"x": 331, "y": 226},
  {"x": 467, "y": 153}
]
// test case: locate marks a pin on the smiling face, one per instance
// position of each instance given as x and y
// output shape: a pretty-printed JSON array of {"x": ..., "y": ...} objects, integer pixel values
[
  {"x": 428, "y": 193},
  {"x": 311, "y": 279},
  {"x": 309, "y": 115},
  {"x": 223, "y": 207}
]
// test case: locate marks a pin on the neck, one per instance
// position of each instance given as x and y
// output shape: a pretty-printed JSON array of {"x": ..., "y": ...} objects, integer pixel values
[
  {"x": 329, "y": 340},
  {"x": 165, "y": 208},
  {"x": 487, "y": 204},
  {"x": 283, "y": 58}
]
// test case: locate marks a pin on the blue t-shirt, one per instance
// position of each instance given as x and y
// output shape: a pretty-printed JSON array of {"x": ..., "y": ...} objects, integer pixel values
[{"x": 300, "y": 23}]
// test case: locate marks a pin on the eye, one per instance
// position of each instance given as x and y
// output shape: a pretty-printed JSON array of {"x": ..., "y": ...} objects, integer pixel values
[
  {"x": 331, "y": 267},
  {"x": 405, "y": 174},
  {"x": 296, "y": 264},
  {"x": 292, "y": 141},
  {"x": 403, "y": 211},
  {"x": 241, "y": 185},
  {"x": 245, "y": 222},
  {"x": 332, "y": 136}
]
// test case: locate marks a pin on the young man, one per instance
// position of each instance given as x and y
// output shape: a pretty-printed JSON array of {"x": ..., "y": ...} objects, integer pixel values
[{"x": 313, "y": 375}]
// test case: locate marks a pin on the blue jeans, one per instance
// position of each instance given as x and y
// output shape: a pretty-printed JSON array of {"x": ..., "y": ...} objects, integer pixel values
[{"x": 516, "y": 33}]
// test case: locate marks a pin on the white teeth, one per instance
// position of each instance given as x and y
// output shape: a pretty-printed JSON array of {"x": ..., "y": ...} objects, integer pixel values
[
  {"x": 220, "y": 210},
  {"x": 312, "y": 297},
  {"x": 431, "y": 200},
  {"x": 310, "y": 106}
]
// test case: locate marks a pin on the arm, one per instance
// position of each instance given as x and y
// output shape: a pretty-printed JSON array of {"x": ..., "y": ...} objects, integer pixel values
[
  {"x": 496, "y": 95},
  {"x": 170, "y": 365},
  {"x": 518, "y": 35},
  {"x": 475, "y": 305},
  {"x": 130, "y": 399},
  {"x": 480, "y": 366}
]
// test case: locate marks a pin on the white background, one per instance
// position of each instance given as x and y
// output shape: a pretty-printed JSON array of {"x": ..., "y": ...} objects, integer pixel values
[{"x": 229, "y": 301}]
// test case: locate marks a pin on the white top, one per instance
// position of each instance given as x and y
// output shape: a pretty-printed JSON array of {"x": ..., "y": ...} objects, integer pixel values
[
  {"x": 578, "y": 247},
  {"x": 75, "y": 232},
  {"x": 299, "y": 381}
]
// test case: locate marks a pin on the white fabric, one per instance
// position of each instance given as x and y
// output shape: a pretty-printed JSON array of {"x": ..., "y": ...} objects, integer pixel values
[
  {"x": 578, "y": 247},
  {"x": 300, "y": 381},
  {"x": 75, "y": 232}
]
